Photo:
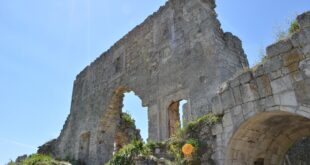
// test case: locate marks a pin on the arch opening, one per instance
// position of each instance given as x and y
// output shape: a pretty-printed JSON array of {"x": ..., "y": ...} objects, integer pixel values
[
  {"x": 133, "y": 121},
  {"x": 176, "y": 117},
  {"x": 265, "y": 138}
]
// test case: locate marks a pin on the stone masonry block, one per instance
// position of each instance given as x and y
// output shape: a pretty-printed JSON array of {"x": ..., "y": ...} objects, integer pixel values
[
  {"x": 237, "y": 95},
  {"x": 249, "y": 109},
  {"x": 245, "y": 77},
  {"x": 217, "y": 106},
  {"x": 301, "y": 38},
  {"x": 288, "y": 99},
  {"x": 227, "y": 121},
  {"x": 281, "y": 84},
  {"x": 305, "y": 67},
  {"x": 302, "y": 90},
  {"x": 292, "y": 57},
  {"x": 263, "y": 84},
  {"x": 273, "y": 64},
  {"x": 227, "y": 99},
  {"x": 279, "y": 47},
  {"x": 249, "y": 92},
  {"x": 304, "y": 20}
]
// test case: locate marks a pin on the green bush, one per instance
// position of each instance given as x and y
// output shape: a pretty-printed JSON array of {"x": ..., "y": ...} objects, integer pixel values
[
  {"x": 38, "y": 159},
  {"x": 294, "y": 27},
  {"x": 127, "y": 118},
  {"x": 126, "y": 155}
]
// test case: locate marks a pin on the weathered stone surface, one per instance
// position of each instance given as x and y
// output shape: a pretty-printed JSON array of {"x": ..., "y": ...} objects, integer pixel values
[
  {"x": 180, "y": 52},
  {"x": 304, "y": 20},
  {"x": 291, "y": 57},
  {"x": 275, "y": 106},
  {"x": 264, "y": 88},
  {"x": 249, "y": 92},
  {"x": 279, "y": 47},
  {"x": 301, "y": 38},
  {"x": 281, "y": 84},
  {"x": 227, "y": 99}
]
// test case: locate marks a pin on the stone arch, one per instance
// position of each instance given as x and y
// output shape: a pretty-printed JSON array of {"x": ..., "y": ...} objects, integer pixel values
[
  {"x": 107, "y": 128},
  {"x": 175, "y": 118},
  {"x": 264, "y": 138}
]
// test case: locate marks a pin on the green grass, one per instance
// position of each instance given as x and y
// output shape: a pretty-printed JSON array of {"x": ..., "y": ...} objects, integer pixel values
[
  {"x": 38, "y": 159},
  {"x": 294, "y": 27}
]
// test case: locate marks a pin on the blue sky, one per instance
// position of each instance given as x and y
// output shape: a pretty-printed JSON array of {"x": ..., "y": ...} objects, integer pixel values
[{"x": 45, "y": 44}]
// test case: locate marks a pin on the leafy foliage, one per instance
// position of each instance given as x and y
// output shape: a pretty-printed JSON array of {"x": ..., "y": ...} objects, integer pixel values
[
  {"x": 294, "y": 27},
  {"x": 126, "y": 155},
  {"x": 127, "y": 118},
  {"x": 38, "y": 159}
]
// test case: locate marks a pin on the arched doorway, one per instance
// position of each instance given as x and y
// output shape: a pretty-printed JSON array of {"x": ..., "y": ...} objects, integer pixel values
[
  {"x": 115, "y": 130},
  {"x": 265, "y": 138},
  {"x": 176, "y": 111}
]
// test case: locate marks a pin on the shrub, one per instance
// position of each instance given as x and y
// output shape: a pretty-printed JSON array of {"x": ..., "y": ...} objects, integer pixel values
[
  {"x": 38, "y": 159},
  {"x": 294, "y": 27},
  {"x": 126, "y": 155},
  {"x": 127, "y": 118}
]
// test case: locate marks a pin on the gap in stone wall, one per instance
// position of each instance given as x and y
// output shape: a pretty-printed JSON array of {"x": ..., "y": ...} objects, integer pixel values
[
  {"x": 132, "y": 104},
  {"x": 176, "y": 116}
]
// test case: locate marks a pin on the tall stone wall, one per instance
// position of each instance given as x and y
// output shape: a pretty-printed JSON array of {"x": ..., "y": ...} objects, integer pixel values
[{"x": 179, "y": 52}]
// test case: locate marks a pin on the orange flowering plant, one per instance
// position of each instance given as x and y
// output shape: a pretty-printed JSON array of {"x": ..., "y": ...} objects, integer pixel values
[{"x": 187, "y": 149}]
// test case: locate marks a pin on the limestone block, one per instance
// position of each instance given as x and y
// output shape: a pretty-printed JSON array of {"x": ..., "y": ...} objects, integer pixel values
[
  {"x": 217, "y": 106},
  {"x": 288, "y": 98},
  {"x": 302, "y": 90},
  {"x": 273, "y": 64},
  {"x": 305, "y": 67},
  {"x": 245, "y": 77},
  {"x": 281, "y": 84},
  {"x": 227, "y": 99},
  {"x": 291, "y": 68},
  {"x": 276, "y": 74},
  {"x": 227, "y": 121},
  {"x": 235, "y": 82},
  {"x": 301, "y": 38},
  {"x": 279, "y": 47},
  {"x": 269, "y": 101},
  {"x": 306, "y": 50},
  {"x": 260, "y": 70},
  {"x": 237, "y": 116},
  {"x": 249, "y": 92},
  {"x": 304, "y": 20},
  {"x": 292, "y": 56},
  {"x": 249, "y": 109},
  {"x": 296, "y": 76},
  {"x": 237, "y": 95},
  {"x": 263, "y": 84}
]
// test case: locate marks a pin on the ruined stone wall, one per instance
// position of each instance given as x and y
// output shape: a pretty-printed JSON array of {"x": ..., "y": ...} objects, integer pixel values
[
  {"x": 179, "y": 52},
  {"x": 266, "y": 109}
]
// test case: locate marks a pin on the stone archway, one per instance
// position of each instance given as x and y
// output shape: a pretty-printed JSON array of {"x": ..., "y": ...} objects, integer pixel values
[
  {"x": 111, "y": 133},
  {"x": 265, "y": 138}
]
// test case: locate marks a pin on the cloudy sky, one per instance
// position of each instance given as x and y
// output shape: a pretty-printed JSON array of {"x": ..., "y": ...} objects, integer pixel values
[{"x": 45, "y": 44}]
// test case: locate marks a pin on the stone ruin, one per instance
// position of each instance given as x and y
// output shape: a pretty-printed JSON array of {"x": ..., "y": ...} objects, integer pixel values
[{"x": 181, "y": 53}]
